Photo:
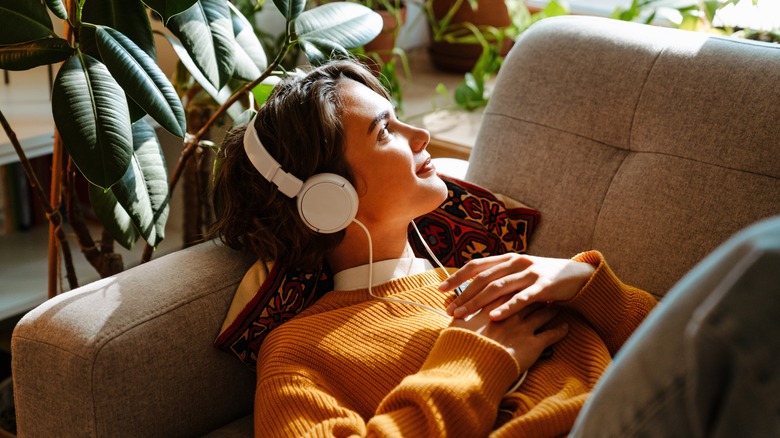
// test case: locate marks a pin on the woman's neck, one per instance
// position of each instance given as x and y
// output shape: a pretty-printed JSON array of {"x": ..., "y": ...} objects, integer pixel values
[{"x": 353, "y": 251}]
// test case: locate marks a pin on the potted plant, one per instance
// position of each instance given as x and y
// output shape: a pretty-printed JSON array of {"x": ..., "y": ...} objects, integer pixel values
[
  {"x": 382, "y": 54},
  {"x": 109, "y": 82},
  {"x": 460, "y": 29},
  {"x": 473, "y": 36},
  {"x": 698, "y": 16}
]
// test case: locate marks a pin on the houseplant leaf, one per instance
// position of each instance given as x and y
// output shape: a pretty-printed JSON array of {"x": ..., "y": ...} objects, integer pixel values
[
  {"x": 23, "y": 21},
  {"x": 335, "y": 27},
  {"x": 143, "y": 190},
  {"x": 28, "y": 55},
  {"x": 291, "y": 9},
  {"x": 58, "y": 8},
  {"x": 206, "y": 31},
  {"x": 113, "y": 216},
  {"x": 168, "y": 8},
  {"x": 249, "y": 55},
  {"x": 141, "y": 78},
  {"x": 219, "y": 96},
  {"x": 127, "y": 16},
  {"x": 90, "y": 112}
]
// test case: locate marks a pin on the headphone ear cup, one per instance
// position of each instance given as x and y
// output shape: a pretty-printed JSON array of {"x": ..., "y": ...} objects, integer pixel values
[{"x": 327, "y": 203}]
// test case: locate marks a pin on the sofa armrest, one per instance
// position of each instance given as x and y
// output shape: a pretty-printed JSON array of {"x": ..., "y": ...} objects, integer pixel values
[{"x": 132, "y": 354}]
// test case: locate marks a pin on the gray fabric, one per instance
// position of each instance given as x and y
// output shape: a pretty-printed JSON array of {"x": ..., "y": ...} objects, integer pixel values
[
  {"x": 704, "y": 363},
  {"x": 652, "y": 145},
  {"x": 132, "y": 355}
]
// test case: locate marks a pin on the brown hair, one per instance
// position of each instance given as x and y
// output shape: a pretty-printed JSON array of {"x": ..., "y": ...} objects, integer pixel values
[{"x": 300, "y": 125}]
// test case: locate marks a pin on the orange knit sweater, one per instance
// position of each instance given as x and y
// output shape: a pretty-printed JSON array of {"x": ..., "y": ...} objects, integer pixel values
[{"x": 351, "y": 365}]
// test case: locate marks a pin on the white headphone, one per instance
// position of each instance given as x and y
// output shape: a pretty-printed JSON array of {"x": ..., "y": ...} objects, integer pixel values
[{"x": 327, "y": 202}]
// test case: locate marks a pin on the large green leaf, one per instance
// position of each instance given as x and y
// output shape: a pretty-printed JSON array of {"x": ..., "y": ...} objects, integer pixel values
[
  {"x": 28, "y": 55},
  {"x": 249, "y": 55},
  {"x": 90, "y": 111},
  {"x": 143, "y": 190},
  {"x": 142, "y": 79},
  {"x": 113, "y": 216},
  {"x": 169, "y": 8},
  {"x": 23, "y": 21},
  {"x": 206, "y": 31},
  {"x": 334, "y": 27},
  {"x": 127, "y": 16},
  {"x": 58, "y": 8},
  {"x": 219, "y": 96},
  {"x": 291, "y": 9}
]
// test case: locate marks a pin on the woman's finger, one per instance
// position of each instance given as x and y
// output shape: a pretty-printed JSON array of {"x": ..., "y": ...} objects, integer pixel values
[
  {"x": 502, "y": 283},
  {"x": 501, "y": 275},
  {"x": 529, "y": 294},
  {"x": 553, "y": 335},
  {"x": 538, "y": 319},
  {"x": 470, "y": 270}
]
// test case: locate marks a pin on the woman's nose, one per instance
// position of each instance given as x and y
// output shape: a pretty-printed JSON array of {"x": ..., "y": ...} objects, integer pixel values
[{"x": 418, "y": 138}]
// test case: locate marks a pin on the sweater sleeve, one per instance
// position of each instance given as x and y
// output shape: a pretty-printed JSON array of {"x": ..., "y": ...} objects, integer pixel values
[
  {"x": 452, "y": 391},
  {"x": 613, "y": 308}
]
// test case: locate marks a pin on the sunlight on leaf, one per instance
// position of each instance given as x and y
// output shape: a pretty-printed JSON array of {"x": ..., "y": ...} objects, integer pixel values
[
  {"x": 168, "y": 8},
  {"x": 334, "y": 27},
  {"x": 141, "y": 78},
  {"x": 206, "y": 31},
  {"x": 35, "y": 53},
  {"x": 90, "y": 111}
]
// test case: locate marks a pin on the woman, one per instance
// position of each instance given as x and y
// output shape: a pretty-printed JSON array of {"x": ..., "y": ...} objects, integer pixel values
[{"x": 382, "y": 354}]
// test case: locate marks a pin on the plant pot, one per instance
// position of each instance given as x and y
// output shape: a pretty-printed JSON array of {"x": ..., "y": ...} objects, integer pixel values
[
  {"x": 384, "y": 43},
  {"x": 461, "y": 57}
]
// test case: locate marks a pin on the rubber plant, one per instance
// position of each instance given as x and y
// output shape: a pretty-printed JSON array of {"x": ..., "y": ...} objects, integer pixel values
[{"x": 109, "y": 87}]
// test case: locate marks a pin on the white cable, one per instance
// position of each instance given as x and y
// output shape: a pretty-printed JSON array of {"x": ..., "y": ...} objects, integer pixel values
[
  {"x": 371, "y": 279},
  {"x": 396, "y": 300},
  {"x": 427, "y": 248}
]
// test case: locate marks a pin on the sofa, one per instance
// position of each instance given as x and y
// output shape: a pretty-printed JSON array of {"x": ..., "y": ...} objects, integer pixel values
[{"x": 650, "y": 144}]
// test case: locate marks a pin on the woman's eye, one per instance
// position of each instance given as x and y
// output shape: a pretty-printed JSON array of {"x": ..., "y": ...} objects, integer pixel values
[{"x": 384, "y": 133}]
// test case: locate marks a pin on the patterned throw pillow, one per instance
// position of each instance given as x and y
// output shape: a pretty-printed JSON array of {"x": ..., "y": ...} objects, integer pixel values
[{"x": 471, "y": 223}]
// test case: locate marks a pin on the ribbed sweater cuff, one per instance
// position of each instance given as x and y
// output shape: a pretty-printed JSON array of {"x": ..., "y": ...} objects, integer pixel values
[
  {"x": 597, "y": 298},
  {"x": 612, "y": 306},
  {"x": 466, "y": 354}
]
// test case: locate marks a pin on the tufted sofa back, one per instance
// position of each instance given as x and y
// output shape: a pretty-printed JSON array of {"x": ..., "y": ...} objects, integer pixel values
[{"x": 652, "y": 145}]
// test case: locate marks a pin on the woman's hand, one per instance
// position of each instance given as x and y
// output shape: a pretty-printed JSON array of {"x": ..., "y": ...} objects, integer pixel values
[
  {"x": 522, "y": 334},
  {"x": 527, "y": 278}
]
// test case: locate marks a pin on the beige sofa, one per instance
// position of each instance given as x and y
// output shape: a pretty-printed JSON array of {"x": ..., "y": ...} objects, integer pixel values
[{"x": 649, "y": 144}]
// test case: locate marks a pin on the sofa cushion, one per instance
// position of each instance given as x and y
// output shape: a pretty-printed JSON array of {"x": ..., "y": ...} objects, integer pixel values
[
  {"x": 651, "y": 145},
  {"x": 472, "y": 222}
]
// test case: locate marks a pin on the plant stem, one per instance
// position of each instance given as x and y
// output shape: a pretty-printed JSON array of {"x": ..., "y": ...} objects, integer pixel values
[
  {"x": 104, "y": 263},
  {"x": 53, "y": 215},
  {"x": 191, "y": 141}
]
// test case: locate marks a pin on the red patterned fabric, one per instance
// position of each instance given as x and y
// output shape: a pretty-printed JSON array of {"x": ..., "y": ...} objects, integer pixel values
[
  {"x": 471, "y": 223},
  {"x": 282, "y": 296}
]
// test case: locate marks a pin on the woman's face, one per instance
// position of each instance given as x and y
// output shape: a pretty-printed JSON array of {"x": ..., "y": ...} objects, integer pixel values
[{"x": 394, "y": 177}]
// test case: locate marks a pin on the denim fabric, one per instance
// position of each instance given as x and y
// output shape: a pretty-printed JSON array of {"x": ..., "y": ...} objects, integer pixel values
[{"x": 706, "y": 361}]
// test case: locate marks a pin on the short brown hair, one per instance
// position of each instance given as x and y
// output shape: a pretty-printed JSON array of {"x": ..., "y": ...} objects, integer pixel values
[{"x": 300, "y": 125}]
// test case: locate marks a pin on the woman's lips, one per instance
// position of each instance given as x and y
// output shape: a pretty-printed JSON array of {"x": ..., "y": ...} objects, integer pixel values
[{"x": 426, "y": 168}]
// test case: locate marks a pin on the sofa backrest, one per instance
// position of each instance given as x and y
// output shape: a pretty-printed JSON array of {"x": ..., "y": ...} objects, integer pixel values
[{"x": 652, "y": 145}]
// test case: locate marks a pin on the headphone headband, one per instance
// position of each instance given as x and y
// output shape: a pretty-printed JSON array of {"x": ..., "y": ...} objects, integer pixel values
[
  {"x": 269, "y": 168},
  {"x": 326, "y": 202}
]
